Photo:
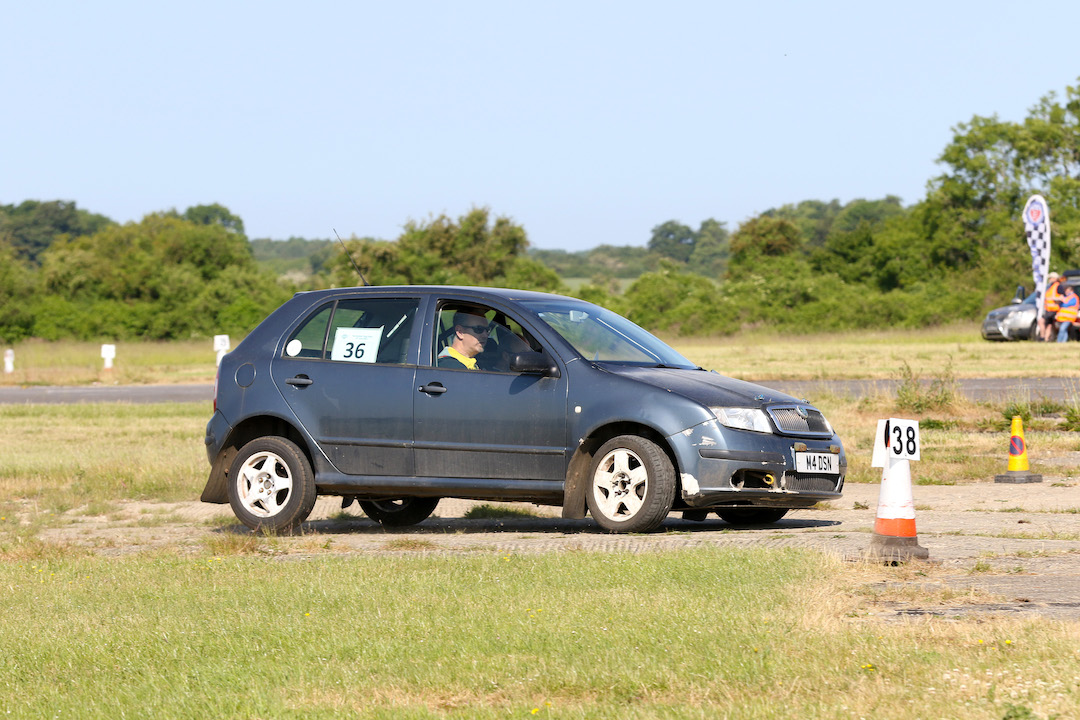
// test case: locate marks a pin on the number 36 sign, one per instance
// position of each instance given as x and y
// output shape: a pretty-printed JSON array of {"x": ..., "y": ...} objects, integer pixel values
[
  {"x": 896, "y": 439},
  {"x": 356, "y": 344}
]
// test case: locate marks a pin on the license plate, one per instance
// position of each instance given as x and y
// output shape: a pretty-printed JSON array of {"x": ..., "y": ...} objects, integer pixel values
[{"x": 817, "y": 463}]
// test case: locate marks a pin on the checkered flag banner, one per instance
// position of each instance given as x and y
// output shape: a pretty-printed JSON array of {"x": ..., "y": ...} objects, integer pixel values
[{"x": 1037, "y": 228}]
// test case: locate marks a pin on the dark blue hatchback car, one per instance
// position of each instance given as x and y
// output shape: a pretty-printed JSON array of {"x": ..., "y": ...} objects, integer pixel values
[{"x": 395, "y": 397}]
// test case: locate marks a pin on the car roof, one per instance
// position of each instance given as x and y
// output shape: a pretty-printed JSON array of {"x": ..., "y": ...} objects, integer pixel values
[{"x": 502, "y": 293}]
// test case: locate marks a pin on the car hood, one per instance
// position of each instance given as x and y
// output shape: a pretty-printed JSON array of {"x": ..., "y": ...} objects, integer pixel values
[
  {"x": 709, "y": 388},
  {"x": 1010, "y": 309}
]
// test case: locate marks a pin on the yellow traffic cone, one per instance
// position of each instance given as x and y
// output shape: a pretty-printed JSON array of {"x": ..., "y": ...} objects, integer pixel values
[{"x": 1018, "y": 471}]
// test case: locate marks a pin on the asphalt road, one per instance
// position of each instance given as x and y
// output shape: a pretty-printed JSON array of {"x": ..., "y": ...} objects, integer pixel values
[
  {"x": 978, "y": 389},
  {"x": 53, "y": 395}
]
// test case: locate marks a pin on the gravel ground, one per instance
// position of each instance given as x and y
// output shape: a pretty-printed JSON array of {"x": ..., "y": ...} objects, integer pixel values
[{"x": 1018, "y": 546}]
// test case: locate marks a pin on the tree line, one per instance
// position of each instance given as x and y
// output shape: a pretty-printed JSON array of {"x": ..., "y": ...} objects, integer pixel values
[
  {"x": 68, "y": 273},
  {"x": 815, "y": 265},
  {"x": 875, "y": 263}
]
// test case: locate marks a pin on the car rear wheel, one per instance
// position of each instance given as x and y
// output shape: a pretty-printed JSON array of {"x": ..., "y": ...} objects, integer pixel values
[
  {"x": 744, "y": 517},
  {"x": 400, "y": 511},
  {"x": 631, "y": 486},
  {"x": 271, "y": 485}
]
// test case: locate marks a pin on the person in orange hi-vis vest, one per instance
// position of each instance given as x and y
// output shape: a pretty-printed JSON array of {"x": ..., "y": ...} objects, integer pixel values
[
  {"x": 1051, "y": 303},
  {"x": 1067, "y": 312}
]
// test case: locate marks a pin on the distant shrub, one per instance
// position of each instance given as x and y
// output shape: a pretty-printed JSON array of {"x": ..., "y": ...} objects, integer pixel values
[
  {"x": 918, "y": 397},
  {"x": 1072, "y": 418}
]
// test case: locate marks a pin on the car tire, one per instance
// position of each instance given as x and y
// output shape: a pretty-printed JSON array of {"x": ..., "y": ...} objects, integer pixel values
[
  {"x": 631, "y": 485},
  {"x": 271, "y": 486},
  {"x": 400, "y": 511},
  {"x": 1033, "y": 332},
  {"x": 745, "y": 517}
]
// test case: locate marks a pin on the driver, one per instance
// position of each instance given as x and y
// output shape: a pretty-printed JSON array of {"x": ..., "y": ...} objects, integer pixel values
[{"x": 470, "y": 335}]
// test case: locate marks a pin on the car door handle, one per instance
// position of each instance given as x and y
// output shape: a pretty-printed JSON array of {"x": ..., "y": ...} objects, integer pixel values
[
  {"x": 432, "y": 389},
  {"x": 301, "y": 380}
]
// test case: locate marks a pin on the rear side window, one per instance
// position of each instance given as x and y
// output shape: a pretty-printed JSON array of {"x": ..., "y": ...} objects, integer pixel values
[{"x": 361, "y": 330}]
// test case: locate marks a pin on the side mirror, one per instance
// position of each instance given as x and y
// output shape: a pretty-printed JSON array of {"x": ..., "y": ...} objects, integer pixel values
[
  {"x": 1021, "y": 293},
  {"x": 534, "y": 363}
]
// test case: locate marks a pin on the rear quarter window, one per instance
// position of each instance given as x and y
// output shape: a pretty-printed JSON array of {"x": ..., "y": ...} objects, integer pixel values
[
  {"x": 357, "y": 330},
  {"x": 308, "y": 339}
]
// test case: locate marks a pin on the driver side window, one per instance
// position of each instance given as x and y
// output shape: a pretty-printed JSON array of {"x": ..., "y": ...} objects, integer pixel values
[{"x": 477, "y": 337}]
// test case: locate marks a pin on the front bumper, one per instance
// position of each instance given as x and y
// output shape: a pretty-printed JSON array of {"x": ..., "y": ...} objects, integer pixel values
[
  {"x": 720, "y": 467},
  {"x": 992, "y": 330},
  {"x": 1012, "y": 325}
]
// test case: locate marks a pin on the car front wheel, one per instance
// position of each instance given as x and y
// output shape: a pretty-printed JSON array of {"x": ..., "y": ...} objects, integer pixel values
[
  {"x": 631, "y": 486},
  {"x": 399, "y": 512},
  {"x": 271, "y": 486}
]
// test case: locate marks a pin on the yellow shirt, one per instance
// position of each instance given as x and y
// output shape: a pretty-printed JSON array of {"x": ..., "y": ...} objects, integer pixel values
[{"x": 466, "y": 361}]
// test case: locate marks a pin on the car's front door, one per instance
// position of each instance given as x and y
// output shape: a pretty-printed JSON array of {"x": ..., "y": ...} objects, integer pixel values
[
  {"x": 488, "y": 423},
  {"x": 347, "y": 372}
]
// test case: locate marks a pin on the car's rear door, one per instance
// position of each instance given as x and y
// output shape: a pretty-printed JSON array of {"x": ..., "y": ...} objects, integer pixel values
[{"x": 347, "y": 372}]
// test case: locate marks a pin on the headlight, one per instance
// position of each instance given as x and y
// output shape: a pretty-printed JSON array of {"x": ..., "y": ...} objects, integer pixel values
[{"x": 743, "y": 418}]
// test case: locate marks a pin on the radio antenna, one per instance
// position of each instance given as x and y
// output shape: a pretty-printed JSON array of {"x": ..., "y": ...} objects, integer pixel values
[{"x": 348, "y": 255}]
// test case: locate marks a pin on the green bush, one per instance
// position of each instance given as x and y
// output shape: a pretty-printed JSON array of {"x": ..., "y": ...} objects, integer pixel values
[
  {"x": 1072, "y": 418},
  {"x": 914, "y": 396}
]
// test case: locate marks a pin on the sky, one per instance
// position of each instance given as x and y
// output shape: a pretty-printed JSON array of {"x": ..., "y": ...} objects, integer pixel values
[{"x": 585, "y": 122}]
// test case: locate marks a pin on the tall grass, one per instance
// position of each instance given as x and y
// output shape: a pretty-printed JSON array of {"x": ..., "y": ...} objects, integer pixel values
[
  {"x": 938, "y": 394},
  {"x": 65, "y": 456}
]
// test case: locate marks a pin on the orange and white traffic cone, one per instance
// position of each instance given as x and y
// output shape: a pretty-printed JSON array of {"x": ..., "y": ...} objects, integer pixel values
[
  {"x": 894, "y": 538},
  {"x": 1019, "y": 471}
]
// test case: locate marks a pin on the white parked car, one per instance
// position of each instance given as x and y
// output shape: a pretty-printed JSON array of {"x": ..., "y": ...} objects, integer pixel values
[{"x": 1017, "y": 321}]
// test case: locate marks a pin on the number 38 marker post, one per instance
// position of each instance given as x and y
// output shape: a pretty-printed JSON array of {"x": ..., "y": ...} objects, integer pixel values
[{"x": 896, "y": 445}]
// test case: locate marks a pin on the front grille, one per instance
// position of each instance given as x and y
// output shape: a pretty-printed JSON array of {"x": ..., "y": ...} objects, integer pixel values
[
  {"x": 811, "y": 483},
  {"x": 791, "y": 421}
]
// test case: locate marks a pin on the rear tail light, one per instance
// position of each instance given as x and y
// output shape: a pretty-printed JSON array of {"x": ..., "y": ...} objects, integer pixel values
[{"x": 217, "y": 374}]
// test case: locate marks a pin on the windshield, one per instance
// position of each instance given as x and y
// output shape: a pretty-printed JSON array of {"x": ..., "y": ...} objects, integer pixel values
[{"x": 603, "y": 336}]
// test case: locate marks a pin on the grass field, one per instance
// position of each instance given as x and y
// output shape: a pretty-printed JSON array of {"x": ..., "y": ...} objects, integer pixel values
[
  {"x": 38, "y": 362},
  {"x": 231, "y": 630},
  {"x": 876, "y": 355}
]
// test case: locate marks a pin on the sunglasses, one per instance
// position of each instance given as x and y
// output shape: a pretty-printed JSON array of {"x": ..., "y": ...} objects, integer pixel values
[{"x": 477, "y": 329}]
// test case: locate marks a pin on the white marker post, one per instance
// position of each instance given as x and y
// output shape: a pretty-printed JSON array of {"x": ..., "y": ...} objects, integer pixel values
[
  {"x": 108, "y": 354},
  {"x": 9, "y": 361},
  {"x": 221, "y": 346}
]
